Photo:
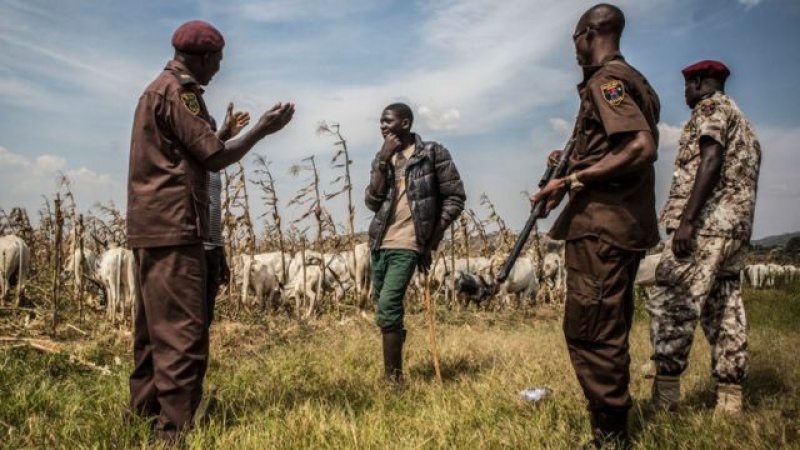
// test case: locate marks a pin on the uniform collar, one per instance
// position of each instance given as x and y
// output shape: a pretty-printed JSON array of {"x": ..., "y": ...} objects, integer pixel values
[
  {"x": 184, "y": 76},
  {"x": 588, "y": 71}
]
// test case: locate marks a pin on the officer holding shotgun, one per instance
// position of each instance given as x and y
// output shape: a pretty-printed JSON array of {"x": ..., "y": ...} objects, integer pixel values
[{"x": 610, "y": 219}]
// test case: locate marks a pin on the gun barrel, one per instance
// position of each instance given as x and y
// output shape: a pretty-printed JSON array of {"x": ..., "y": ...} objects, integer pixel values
[
  {"x": 552, "y": 171},
  {"x": 536, "y": 211}
]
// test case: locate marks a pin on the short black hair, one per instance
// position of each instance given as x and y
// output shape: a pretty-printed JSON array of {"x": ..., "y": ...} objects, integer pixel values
[
  {"x": 402, "y": 111},
  {"x": 605, "y": 18}
]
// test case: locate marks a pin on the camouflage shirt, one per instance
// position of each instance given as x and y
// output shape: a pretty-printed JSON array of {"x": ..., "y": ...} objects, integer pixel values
[{"x": 728, "y": 212}]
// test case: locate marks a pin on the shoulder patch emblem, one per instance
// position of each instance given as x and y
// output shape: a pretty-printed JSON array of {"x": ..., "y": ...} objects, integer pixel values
[
  {"x": 189, "y": 100},
  {"x": 708, "y": 107},
  {"x": 613, "y": 92}
]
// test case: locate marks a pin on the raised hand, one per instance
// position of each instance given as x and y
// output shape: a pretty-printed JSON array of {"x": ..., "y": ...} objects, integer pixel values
[
  {"x": 234, "y": 122},
  {"x": 275, "y": 118}
]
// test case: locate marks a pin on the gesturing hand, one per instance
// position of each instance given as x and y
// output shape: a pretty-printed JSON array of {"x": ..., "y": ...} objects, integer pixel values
[
  {"x": 276, "y": 118},
  {"x": 234, "y": 122}
]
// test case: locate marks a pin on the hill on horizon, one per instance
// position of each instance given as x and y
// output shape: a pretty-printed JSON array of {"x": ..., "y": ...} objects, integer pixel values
[{"x": 778, "y": 240}]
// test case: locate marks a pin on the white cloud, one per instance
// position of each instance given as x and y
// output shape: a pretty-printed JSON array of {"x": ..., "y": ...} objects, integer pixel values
[
  {"x": 25, "y": 180},
  {"x": 749, "y": 3},
  {"x": 471, "y": 69},
  {"x": 276, "y": 11},
  {"x": 669, "y": 135},
  {"x": 560, "y": 126},
  {"x": 437, "y": 118}
]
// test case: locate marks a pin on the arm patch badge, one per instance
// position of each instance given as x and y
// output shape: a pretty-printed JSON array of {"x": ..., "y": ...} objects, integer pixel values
[
  {"x": 613, "y": 92},
  {"x": 189, "y": 100},
  {"x": 708, "y": 107}
]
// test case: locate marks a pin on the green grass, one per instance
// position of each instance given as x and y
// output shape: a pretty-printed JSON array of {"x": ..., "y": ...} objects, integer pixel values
[{"x": 317, "y": 385}]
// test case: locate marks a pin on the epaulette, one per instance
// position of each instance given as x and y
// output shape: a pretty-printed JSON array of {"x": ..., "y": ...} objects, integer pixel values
[{"x": 184, "y": 79}]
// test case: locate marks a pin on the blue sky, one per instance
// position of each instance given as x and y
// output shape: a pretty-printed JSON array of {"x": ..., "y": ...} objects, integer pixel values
[{"x": 493, "y": 81}]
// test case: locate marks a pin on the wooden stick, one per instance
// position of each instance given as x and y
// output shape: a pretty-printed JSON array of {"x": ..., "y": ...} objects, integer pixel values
[
  {"x": 78, "y": 330},
  {"x": 51, "y": 347},
  {"x": 20, "y": 309},
  {"x": 432, "y": 329}
]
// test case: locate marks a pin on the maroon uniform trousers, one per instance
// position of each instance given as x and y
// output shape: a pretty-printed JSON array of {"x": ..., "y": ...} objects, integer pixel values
[
  {"x": 170, "y": 335},
  {"x": 597, "y": 319}
]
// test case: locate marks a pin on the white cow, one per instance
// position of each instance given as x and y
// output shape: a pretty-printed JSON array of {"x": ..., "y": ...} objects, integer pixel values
[
  {"x": 790, "y": 273},
  {"x": 775, "y": 273},
  {"x": 117, "y": 275},
  {"x": 521, "y": 281},
  {"x": 273, "y": 261},
  {"x": 260, "y": 277},
  {"x": 756, "y": 275},
  {"x": 442, "y": 275},
  {"x": 553, "y": 277},
  {"x": 15, "y": 259},
  {"x": 311, "y": 287},
  {"x": 361, "y": 272},
  {"x": 80, "y": 266}
]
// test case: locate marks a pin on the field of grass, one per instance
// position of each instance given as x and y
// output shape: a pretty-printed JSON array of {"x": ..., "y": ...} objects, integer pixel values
[{"x": 280, "y": 384}]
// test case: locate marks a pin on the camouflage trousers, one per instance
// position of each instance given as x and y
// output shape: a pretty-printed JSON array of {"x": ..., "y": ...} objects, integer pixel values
[{"x": 702, "y": 287}]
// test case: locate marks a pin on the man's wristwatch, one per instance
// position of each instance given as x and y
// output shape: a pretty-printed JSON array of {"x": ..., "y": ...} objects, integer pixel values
[
  {"x": 383, "y": 165},
  {"x": 574, "y": 183}
]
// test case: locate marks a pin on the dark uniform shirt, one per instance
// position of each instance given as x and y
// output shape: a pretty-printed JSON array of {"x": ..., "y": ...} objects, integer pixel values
[
  {"x": 167, "y": 181},
  {"x": 615, "y": 99}
]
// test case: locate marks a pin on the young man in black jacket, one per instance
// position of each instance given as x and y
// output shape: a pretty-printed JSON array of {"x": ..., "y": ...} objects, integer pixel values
[{"x": 415, "y": 192}]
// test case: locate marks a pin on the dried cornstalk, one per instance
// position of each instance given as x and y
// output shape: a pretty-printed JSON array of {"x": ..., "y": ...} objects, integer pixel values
[
  {"x": 59, "y": 228},
  {"x": 504, "y": 234},
  {"x": 452, "y": 264},
  {"x": 465, "y": 236},
  {"x": 481, "y": 228},
  {"x": 239, "y": 235},
  {"x": 342, "y": 151},
  {"x": 310, "y": 194},
  {"x": 270, "y": 198}
]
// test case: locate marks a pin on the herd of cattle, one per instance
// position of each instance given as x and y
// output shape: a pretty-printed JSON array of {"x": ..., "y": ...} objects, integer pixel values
[{"x": 302, "y": 280}]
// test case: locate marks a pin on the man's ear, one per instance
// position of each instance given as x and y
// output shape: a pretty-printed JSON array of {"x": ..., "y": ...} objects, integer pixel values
[{"x": 406, "y": 124}]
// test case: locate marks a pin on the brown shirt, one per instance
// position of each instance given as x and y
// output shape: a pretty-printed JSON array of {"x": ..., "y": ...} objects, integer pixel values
[
  {"x": 615, "y": 99},
  {"x": 167, "y": 182},
  {"x": 401, "y": 234}
]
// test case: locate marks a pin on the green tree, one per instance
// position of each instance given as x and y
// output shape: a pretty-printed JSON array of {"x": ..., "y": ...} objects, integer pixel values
[{"x": 792, "y": 250}]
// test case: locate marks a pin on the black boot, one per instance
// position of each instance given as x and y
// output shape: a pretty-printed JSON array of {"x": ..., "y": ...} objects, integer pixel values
[
  {"x": 393, "y": 355},
  {"x": 610, "y": 429}
]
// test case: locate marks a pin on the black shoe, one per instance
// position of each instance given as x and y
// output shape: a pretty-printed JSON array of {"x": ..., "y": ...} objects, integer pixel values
[
  {"x": 393, "y": 355},
  {"x": 609, "y": 430}
]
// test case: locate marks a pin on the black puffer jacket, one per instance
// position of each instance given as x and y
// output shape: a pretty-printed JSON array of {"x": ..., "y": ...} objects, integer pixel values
[{"x": 435, "y": 194}]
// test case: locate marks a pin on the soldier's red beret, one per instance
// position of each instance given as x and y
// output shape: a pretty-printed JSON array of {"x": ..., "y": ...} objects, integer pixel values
[
  {"x": 707, "y": 68},
  {"x": 197, "y": 37}
]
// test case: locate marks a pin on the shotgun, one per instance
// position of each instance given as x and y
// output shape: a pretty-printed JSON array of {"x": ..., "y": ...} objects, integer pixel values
[{"x": 552, "y": 171}]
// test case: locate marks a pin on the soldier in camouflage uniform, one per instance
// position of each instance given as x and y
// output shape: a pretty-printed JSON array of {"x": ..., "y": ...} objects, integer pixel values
[{"x": 708, "y": 217}]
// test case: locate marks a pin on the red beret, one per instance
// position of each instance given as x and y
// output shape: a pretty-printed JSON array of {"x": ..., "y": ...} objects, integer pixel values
[
  {"x": 707, "y": 68},
  {"x": 197, "y": 37}
]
